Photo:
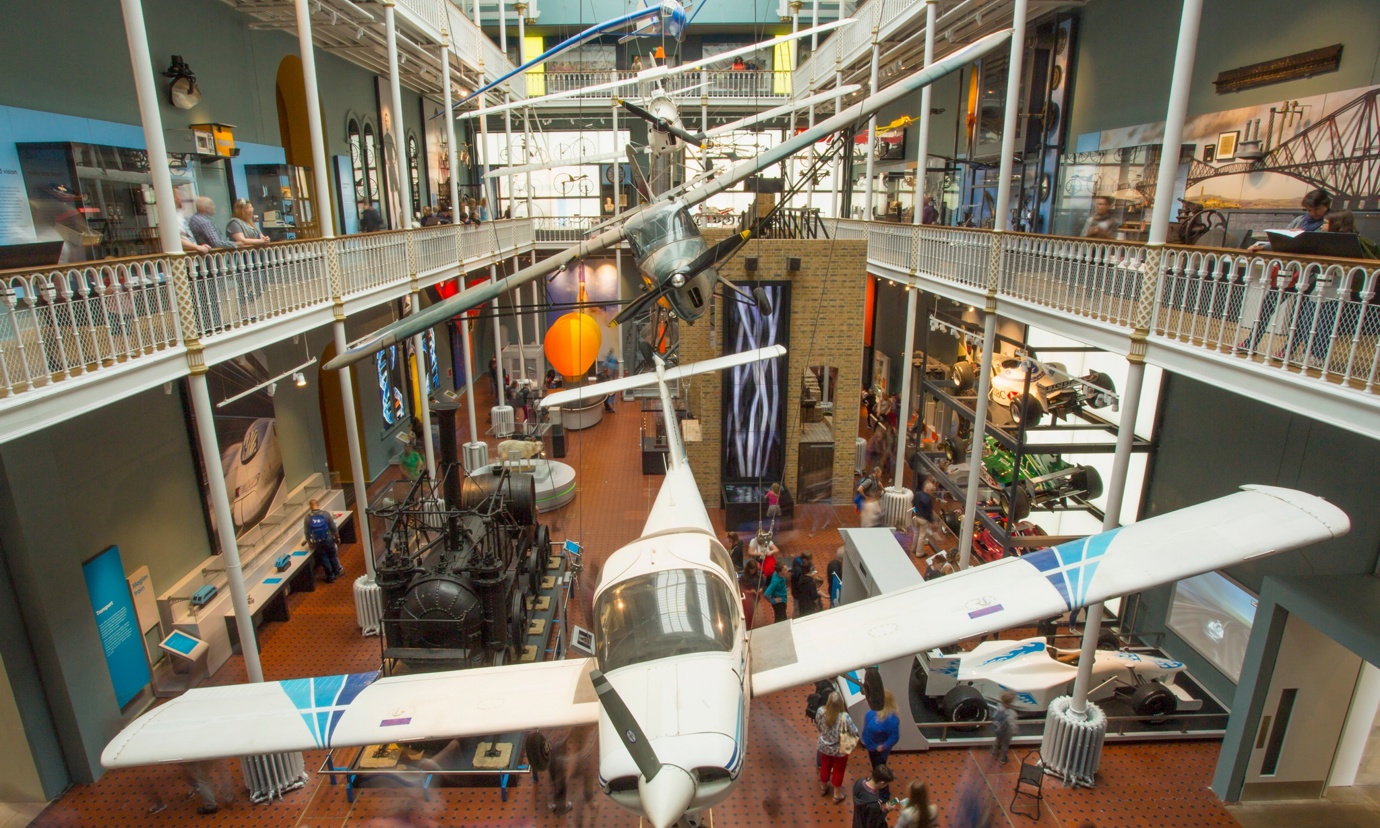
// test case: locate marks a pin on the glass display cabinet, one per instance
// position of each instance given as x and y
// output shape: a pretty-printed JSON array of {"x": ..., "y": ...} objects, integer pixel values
[
  {"x": 282, "y": 198},
  {"x": 98, "y": 200}
]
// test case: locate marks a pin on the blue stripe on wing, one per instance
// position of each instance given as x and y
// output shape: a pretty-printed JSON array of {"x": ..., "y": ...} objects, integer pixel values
[
  {"x": 1069, "y": 567},
  {"x": 322, "y": 700}
]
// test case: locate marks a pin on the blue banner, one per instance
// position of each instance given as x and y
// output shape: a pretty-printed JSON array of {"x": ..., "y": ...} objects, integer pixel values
[{"x": 118, "y": 624}]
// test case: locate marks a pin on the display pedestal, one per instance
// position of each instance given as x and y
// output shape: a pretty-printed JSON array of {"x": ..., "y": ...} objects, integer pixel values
[
  {"x": 1072, "y": 744},
  {"x": 475, "y": 456},
  {"x": 503, "y": 421},
  {"x": 896, "y": 505},
  {"x": 554, "y": 481}
]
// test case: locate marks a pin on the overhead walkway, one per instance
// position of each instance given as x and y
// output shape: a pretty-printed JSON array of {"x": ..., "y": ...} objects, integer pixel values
[{"x": 1296, "y": 333}]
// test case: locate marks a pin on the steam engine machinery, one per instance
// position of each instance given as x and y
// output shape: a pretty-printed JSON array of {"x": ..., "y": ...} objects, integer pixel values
[{"x": 458, "y": 568}]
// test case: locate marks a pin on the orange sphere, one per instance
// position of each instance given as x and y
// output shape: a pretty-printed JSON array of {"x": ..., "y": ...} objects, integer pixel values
[{"x": 572, "y": 343}]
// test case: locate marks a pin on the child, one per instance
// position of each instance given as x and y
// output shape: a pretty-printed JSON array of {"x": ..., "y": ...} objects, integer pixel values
[{"x": 774, "y": 503}]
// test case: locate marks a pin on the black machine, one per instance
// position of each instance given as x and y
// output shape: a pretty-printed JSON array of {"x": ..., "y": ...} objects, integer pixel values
[{"x": 456, "y": 578}]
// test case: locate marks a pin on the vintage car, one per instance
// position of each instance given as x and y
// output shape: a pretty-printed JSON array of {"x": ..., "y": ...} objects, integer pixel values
[
  {"x": 1049, "y": 392},
  {"x": 965, "y": 685},
  {"x": 988, "y": 548}
]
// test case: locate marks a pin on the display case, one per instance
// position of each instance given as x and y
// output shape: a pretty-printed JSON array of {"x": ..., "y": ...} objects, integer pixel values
[
  {"x": 282, "y": 197},
  {"x": 98, "y": 200}
]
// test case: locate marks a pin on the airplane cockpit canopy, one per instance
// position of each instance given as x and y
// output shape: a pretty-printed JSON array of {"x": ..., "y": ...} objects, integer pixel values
[
  {"x": 661, "y": 226},
  {"x": 661, "y": 614}
]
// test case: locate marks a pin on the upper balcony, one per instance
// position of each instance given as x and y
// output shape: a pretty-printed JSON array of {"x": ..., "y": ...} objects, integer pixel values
[
  {"x": 356, "y": 33},
  {"x": 1301, "y": 334},
  {"x": 899, "y": 26},
  {"x": 74, "y": 337},
  {"x": 746, "y": 88}
]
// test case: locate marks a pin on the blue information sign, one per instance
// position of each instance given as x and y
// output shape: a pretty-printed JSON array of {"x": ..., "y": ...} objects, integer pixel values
[{"x": 117, "y": 623}]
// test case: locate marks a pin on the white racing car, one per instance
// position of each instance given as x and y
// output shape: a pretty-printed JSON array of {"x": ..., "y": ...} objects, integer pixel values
[{"x": 965, "y": 684}]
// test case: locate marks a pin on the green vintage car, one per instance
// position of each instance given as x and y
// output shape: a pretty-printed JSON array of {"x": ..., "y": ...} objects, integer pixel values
[{"x": 1044, "y": 479}]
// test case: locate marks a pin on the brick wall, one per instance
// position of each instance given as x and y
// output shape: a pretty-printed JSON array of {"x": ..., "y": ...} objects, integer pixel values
[{"x": 826, "y": 329}]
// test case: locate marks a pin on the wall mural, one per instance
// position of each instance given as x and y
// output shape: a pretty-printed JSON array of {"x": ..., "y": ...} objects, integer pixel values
[
  {"x": 754, "y": 414},
  {"x": 247, "y": 435},
  {"x": 389, "y": 369},
  {"x": 1330, "y": 141}
]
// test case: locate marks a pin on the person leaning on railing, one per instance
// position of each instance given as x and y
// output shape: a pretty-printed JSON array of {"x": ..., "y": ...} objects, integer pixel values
[{"x": 241, "y": 229}]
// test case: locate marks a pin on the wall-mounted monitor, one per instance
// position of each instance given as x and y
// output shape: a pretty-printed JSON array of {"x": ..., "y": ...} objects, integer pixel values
[{"x": 1214, "y": 616}]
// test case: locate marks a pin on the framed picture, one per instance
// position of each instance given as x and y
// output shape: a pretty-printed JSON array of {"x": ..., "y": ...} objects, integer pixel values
[
  {"x": 1209, "y": 153},
  {"x": 1226, "y": 145}
]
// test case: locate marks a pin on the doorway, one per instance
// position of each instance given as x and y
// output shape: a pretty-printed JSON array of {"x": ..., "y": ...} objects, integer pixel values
[
  {"x": 333, "y": 421},
  {"x": 1305, "y": 711}
]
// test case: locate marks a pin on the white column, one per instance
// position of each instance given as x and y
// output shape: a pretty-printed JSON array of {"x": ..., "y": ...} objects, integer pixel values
[
  {"x": 320, "y": 173},
  {"x": 145, "y": 88},
  {"x": 922, "y": 165},
  {"x": 1002, "y": 220},
  {"x": 508, "y": 137},
  {"x": 507, "y": 131},
  {"x": 390, "y": 24},
  {"x": 360, "y": 484},
  {"x": 838, "y": 156},
  {"x": 814, "y": 153},
  {"x": 903, "y": 416},
  {"x": 423, "y": 393},
  {"x": 795, "y": 29},
  {"x": 527, "y": 135},
  {"x": 872, "y": 120},
  {"x": 469, "y": 377},
  {"x": 449, "y": 103},
  {"x": 517, "y": 321},
  {"x": 814, "y": 22},
  {"x": 225, "y": 522},
  {"x": 989, "y": 339},
  {"x": 503, "y": 27},
  {"x": 1179, "y": 89},
  {"x": 498, "y": 343},
  {"x": 170, "y": 240}
]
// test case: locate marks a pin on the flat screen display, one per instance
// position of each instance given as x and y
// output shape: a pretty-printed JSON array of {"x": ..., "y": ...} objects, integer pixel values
[
  {"x": 1214, "y": 616},
  {"x": 181, "y": 642}
]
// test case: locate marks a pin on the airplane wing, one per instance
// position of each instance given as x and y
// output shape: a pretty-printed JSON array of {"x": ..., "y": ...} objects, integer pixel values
[
  {"x": 784, "y": 109},
  {"x": 1259, "y": 520},
  {"x": 657, "y": 72},
  {"x": 614, "y": 386},
  {"x": 357, "y": 709},
  {"x": 402, "y": 329}
]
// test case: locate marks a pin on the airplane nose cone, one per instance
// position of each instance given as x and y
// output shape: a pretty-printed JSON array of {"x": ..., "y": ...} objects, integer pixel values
[{"x": 667, "y": 796}]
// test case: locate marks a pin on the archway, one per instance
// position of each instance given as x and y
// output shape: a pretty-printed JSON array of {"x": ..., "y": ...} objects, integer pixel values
[
  {"x": 333, "y": 420},
  {"x": 293, "y": 128}
]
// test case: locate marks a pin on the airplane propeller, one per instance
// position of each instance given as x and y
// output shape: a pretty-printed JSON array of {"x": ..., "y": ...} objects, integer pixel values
[
  {"x": 666, "y": 791},
  {"x": 663, "y": 125}
]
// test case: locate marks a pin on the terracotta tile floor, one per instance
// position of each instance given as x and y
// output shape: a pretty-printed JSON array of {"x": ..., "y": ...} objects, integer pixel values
[{"x": 1151, "y": 784}]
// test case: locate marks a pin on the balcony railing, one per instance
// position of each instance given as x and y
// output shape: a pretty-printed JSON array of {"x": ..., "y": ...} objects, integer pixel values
[
  {"x": 1315, "y": 319},
  {"x": 78, "y": 319},
  {"x": 745, "y": 84}
]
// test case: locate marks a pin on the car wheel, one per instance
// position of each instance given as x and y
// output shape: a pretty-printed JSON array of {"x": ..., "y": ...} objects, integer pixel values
[
  {"x": 964, "y": 376},
  {"x": 1015, "y": 501},
  {"x": 956, "y": 450},
  {"x": 954, "y": 520},
  {"x": 965, "y": 704},
  {"x": 1107, "y": 640},
  {"x": 1088, "y": 481},
  {"x": 1154, "y": 699},
  {"x": 1101, "y": 380},
  {"x": 1027, "y": 410}
]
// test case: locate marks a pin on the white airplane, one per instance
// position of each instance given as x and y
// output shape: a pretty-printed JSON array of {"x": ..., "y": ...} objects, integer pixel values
[{"x": 676, "y": 668}]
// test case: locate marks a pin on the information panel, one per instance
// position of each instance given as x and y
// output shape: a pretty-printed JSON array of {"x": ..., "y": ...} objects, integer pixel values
[{"x": 118, "y": 624}]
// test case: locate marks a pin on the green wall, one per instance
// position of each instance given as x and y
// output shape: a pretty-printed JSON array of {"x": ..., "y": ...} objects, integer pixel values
[
  {"x": 1126, "y": 54},
  {"x": 121, "y": 475},
  {"x": 1213, "y": 441}
]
